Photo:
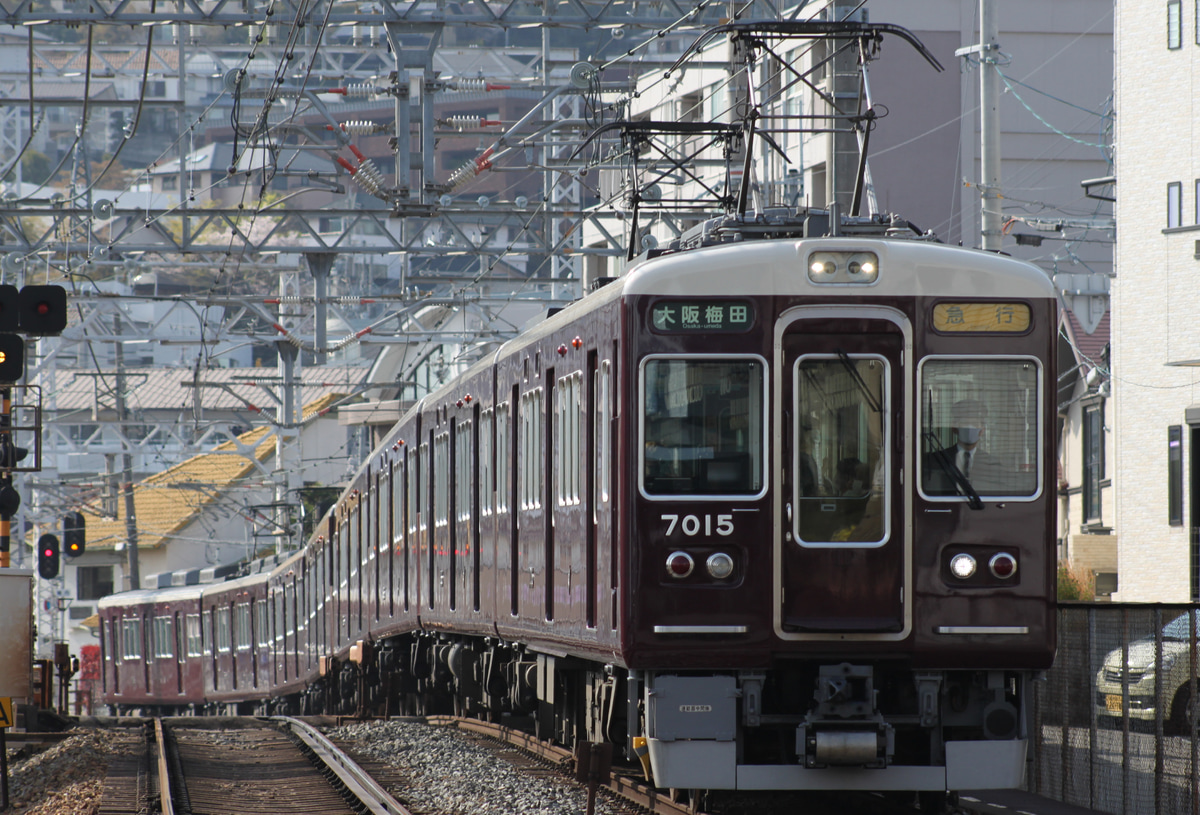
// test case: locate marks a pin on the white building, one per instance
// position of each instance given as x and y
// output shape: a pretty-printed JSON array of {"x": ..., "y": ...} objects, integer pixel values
[{"x": 1156, "y": 313}]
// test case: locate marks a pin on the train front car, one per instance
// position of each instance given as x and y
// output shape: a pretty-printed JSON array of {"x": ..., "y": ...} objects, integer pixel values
[{"x": 841, "y": 465}]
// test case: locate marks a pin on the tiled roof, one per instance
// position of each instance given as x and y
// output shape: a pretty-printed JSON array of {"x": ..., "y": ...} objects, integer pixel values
[
  {"x": 164, "y": 504},
  {"x": 171, "y": 388},
  {"x": 1089, "y": 346}
]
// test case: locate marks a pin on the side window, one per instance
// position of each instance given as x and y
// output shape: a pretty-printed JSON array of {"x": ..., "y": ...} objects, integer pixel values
[
  {"x": 570, "y": 410},
  {"x": 487, "y": 484},
  {"x": 503, "y": 464},
  {"x": 422, "y": 479},
  {"x": 463, "y": 471},
  {"x": 398, "y": 499},
  {"x": 195, "y": 647},
  {"x": 603, "y": 439},
  {"x": 531, "y": 447},
  {"x": 441, "y": 478},
  {"x": 1174, "y": 204},
  {"x": 980, "y": 428},
  {"x": 1093, "y": 461},
  {"x": 1174, "y": 24},
  {"x": 1175, "y": 475}
]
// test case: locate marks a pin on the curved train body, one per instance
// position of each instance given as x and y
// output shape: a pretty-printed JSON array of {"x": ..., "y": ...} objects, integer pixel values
[{"x": 717, "y": 505}]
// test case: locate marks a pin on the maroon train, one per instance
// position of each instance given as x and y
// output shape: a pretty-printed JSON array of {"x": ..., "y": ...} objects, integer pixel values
[{"x": 718, "y": 509}]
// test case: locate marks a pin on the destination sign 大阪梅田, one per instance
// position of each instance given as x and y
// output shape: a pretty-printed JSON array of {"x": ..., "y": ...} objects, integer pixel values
[
  {"x": 684, "y": 316},
  {"x": 1008, "y": 318}
]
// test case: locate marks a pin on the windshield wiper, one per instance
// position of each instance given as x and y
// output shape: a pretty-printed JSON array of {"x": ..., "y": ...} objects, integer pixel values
[
  {"x": 875, "y": 404},
  {"x": 946, "y": 462}
]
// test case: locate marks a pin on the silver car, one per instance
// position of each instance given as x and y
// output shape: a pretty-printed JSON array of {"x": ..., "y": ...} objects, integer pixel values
[{"x": 1178, "y": 704}]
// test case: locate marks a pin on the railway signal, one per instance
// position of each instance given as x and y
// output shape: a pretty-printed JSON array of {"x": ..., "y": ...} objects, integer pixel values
[
  {"x": 74, "y": 534},
  {"x": 12, "y": 356},
  {"x": 48, "y": 556},
  {"x": 42, "y": 310}
]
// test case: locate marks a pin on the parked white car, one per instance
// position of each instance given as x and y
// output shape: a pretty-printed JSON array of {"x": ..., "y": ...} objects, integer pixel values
[{"x": 1178, "y": 703}]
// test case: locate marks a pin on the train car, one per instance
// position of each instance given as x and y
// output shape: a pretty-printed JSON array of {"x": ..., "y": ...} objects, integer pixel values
[
  {"x": 150, "y": 644},
  {"x": 774, "y": 505}
]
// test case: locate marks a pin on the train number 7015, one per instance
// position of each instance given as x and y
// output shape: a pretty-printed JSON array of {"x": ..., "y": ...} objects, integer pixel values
[{"x": 691, "y": 524}]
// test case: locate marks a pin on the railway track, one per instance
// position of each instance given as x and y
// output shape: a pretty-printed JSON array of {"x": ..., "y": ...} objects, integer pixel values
[{"x": 242, "y": 767}]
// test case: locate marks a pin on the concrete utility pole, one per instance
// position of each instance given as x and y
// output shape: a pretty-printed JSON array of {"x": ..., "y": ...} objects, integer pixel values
[
  {"x": 991, "y": 218},
  {"x": 131, "y": 532},
  {"x": 989, "y": 127}
]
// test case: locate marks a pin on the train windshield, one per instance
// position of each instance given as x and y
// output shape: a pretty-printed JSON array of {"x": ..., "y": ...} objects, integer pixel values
[
  {"x": 979, "y": 427},
  {"x": 702, "y": 426},
  {"x": 841, "y": 452}
]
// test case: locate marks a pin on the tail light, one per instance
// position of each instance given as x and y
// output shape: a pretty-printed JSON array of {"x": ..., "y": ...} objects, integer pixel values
[
  {"x": 1003, "y": 565},
  {"x": 680, "y": 564}
]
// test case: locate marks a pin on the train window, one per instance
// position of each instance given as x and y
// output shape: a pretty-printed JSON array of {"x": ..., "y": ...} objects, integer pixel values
[
  {"x": 441, "y": 478},
  {"x": 398, "y": 500},
  {"x": 570, "y": 410},
  {"x": 702, "y": 426},
  {"x": 980, "y": 428},
  {"x": 195, "y": 646},
  {"x": 462, "y": 470},
  {"x": 532, "y": 449},
  {"x": 840, "y": 458},
  {"x": 223, "y": 634},
  {"x": 503, "y": 442},
  {"x": 242, "y": 627},
  {"x": 354, "y": 545},
  {"x": 603, "y": 441},
  {"x": 263, "y": 625},
  {"x": 162, "y": 637},
  {"x": 486, "y": 486},
  {"x": 422, "y": 485},
  {"x": 131, "y": 638}
]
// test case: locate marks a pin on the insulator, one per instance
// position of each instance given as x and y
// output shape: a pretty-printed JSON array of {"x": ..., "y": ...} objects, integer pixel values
[
  {"x": 463, "y": 122},
  {"x": 465, "y": 85},
  {"x": 359, "y": 89},
  {"x": 463, "y": 176},
  {"x": 358, "y": 128}
]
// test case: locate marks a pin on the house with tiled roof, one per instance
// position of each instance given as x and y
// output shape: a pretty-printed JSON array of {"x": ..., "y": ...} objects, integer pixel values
[
  {"x": 203, "y": 514},
  {"x": 1087, "y": 534}
]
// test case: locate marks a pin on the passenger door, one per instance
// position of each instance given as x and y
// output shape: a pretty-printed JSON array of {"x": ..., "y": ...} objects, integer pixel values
[{"x": 845, "y": 558}]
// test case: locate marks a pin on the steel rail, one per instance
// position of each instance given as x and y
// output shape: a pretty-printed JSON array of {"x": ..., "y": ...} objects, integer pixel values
[
  {"x": 360, "y": 784},
  {"x": 166, "y": 804}
]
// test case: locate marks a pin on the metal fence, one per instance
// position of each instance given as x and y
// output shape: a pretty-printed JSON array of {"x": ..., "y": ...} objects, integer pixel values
[{"x": 1115, "y": 725}]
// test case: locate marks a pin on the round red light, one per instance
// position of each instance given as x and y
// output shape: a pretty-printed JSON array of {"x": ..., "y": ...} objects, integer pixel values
[
  {"x": 576, "y": 343},
  {"x": 562, "y": 350},
  {"x": 680, "y": 564},
  {"x": 1003, "y": 565}
]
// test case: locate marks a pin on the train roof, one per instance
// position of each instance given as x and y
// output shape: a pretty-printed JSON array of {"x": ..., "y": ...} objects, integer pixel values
[
  {"x": 769, "y": 267},
  {"x": 143, "y": 596}
]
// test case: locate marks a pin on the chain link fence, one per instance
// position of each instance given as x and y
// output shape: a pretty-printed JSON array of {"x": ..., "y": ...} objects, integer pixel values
[{"x": 1115, "y": 725}]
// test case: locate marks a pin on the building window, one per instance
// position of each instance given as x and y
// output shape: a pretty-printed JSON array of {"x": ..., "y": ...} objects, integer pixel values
[
  {"x": 93, "y": 582},
  {"x": 1093, "y": 461},
  {"x": 1197, "y": 201},
  {"x": 1175, "y": 24},
  {"x": 1174, "y": 204},
  {"x": 1175, "y": 475}
]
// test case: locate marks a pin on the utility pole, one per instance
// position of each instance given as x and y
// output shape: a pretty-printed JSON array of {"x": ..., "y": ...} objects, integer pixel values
[
  {"x": 131, "y": 535},
  {"x": 989, "y": 127},
  {"x": 987, "y": 49}
]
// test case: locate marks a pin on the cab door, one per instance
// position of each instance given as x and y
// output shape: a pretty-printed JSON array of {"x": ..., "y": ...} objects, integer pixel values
[{"x": 845, "y": 554}]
